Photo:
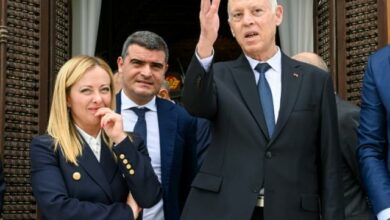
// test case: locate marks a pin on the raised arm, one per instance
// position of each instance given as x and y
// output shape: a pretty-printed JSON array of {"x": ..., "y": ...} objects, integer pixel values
[{"x": 209, "y": 26}]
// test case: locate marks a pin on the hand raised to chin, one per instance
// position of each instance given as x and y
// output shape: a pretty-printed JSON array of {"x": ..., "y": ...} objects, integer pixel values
[{"x": 112, "y": 124}]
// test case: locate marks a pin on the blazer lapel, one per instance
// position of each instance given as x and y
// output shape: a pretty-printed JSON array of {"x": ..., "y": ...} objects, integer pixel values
[
  {"x": 92, "y": 167},
  {"x": 167, "y": 122},
  {"x": 107, "y": 162},
  {"x": 243, "y": 74},
  {"x": 291, "y": 83}
]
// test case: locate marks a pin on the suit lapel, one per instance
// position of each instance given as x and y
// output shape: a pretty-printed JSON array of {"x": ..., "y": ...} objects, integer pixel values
[
  {"x": 243, "y": 75},
  {"x": 92, "y": 167},
  {"x": 167, "y": 122},
  {"x": 118, "y": 102},
  {"x": 291, "y": 83}
]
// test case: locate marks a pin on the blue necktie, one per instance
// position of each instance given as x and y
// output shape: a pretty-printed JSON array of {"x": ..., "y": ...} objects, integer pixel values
[
  {"x": 266, "y": 97},
  {"x": 140, "y": 125}
]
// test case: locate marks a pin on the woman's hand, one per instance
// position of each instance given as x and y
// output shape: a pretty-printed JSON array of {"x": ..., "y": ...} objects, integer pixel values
[
  {"x": 133, "y": 205},
  {"x": 112, "y": 124}
]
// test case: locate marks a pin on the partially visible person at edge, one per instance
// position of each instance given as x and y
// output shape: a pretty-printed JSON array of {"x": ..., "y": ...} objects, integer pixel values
[
  {"x": 164, "y": 91},
  {"x": 374, "y": 132},
  {"x": 274, "y": 150},
  {"x": 168, "y": 129},
  {"x": 356, "y": 205},
  {"x": 86, "y": 167}
]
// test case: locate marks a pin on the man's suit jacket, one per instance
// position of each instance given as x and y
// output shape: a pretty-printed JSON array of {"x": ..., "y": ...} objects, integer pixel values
[
  {"x": 298, "y": 166},
  {"x": 178, "y": 154},
  {"x": 92, "y": 190},
  {"x": 374, "y": 130},
  {"x": 203, "y": 138},
  {"x": 355, "y": 198}
]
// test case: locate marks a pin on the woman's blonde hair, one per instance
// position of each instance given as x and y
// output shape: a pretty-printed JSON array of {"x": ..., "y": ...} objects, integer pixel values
[{"x": 61, "y": 125}]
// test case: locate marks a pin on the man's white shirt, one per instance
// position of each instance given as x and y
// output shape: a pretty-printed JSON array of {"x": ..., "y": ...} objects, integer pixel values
[{"x": 153, "y": 144}]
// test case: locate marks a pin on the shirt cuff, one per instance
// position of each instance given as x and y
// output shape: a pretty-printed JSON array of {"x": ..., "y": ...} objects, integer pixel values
[
  {"x": 384, "y": 214},
  {"x": 205, "y": 62}
]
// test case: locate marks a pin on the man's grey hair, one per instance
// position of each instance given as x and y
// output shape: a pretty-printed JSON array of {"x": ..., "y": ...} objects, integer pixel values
[
  {"x": 273, "y": 3},
  {"x": 148, "y": 40}
]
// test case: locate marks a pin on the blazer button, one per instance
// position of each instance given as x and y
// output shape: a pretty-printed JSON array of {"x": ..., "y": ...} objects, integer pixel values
[
  {"x": 76, "y": 176},
  {"x": 121, "y": 156},
  {"x": 268, "y": 155},
  {"x": 125, "y": 161}
]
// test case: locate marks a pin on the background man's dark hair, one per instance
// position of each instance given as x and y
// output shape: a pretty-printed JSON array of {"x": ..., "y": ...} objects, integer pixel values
[{"x": 148, "y": 40}]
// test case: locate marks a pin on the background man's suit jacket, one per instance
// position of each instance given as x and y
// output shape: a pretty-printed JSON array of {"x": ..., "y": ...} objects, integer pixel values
[
  {"x": 178, "y": 154},
  {"x": 374, "y": 130},
  {"x": 355, "y": 198},
  {"x": 102, "y": 188},
  {"x": 298, "y": 166}
]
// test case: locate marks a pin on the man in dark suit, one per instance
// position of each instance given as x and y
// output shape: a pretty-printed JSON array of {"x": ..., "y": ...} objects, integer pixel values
[
  {"x": 374, "y": 132},
  {"x": 168, "y": 129},
  {"x": 203, "y": 136},
  {"x": 274, "y": 150},
  {"x": 356, "y": 206}
]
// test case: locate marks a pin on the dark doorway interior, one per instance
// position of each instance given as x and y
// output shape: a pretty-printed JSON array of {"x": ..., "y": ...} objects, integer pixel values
[{"x": 175, "y": 20}]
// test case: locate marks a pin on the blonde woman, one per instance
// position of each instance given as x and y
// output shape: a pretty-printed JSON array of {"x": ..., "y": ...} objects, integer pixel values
[{"x": 86, "y": 167}]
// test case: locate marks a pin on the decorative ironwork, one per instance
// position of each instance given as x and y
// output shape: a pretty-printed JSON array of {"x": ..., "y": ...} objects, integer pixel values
[
  {"x": 361, "y": 22},
  {"x": 3, "y": 34},
  {"x": 354, "y": 38},
  {"x": 23, "y": 91},
  {"x": 323, "y": 30},
  {"x": 21, "y": 105}
]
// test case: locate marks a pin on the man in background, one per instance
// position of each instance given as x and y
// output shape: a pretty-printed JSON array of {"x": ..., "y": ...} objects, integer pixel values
[
  {"x": 203, "y": 136},
  {"x": 167, "y": 128},
  {"x": 356, "y": 205},
  {"x": 164, "y": 91}
]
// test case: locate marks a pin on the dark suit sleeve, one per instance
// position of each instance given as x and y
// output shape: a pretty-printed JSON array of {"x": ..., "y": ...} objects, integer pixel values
[
  {"x": 348, "y": 122},
  {"x": 199, "y": 92},
  {"x": 372, "y": 150},
  {"x": 51, "y": 193},
  {"x": 203, "y": 139},
  {"x": 332, "y": 195},
  {"x": 140, "y": 177},
  {"x": 189, "y": 165}
]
